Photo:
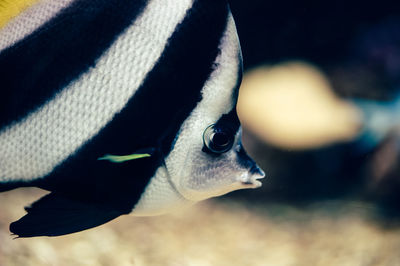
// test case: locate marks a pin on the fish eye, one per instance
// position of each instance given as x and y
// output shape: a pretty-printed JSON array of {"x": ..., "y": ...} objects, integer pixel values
[{"x": 217, "y": 140}]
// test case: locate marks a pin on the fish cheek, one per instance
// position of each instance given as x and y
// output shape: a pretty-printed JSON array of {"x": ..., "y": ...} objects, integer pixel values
[{"x": 211, "y": 176}]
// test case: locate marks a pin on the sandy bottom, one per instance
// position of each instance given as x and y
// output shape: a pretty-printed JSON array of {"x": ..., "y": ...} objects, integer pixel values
[{"x": 215, "y": 232}]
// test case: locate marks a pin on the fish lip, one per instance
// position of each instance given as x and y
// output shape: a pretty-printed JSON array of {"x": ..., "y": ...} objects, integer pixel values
[{"x": 251, "y": 180}]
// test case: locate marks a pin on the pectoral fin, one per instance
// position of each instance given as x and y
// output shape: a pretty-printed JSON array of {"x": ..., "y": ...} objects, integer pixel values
[
  {"x": 55, "y": 215},
  {"x": 123, "y": 158},
  {"x": 142, "y": 153}
]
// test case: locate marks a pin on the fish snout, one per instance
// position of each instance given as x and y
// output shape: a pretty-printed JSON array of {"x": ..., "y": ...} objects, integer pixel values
[{"x": 254, "y": 172}]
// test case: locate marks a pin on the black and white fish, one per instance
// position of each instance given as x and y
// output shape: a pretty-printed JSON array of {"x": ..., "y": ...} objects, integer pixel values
[{"x": 119, "y": 107}]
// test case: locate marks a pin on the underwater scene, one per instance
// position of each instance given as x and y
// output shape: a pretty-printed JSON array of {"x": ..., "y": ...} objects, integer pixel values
[{"x": 312, "y": 176}]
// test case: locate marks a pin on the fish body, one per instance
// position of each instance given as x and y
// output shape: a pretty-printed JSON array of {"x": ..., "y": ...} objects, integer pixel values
[{"x": 119, "y": 107}]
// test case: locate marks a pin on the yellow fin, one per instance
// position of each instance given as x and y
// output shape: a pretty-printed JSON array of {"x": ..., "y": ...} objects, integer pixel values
[
  {"x": 123, "y": 158},
  {"x": 12, "y": 8}
]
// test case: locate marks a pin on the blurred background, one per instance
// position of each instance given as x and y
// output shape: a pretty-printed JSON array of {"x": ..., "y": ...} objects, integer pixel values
[
  {"x": 319, "y": 98},
  {"x": 320, "y": 111}
]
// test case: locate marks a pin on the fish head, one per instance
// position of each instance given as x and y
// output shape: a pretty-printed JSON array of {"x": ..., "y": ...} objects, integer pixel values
[
  {"x": 208, "y": 158},
  {"x": 214, "y": 164}
]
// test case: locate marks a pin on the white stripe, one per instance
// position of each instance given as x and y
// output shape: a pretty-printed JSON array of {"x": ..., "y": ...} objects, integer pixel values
[
  {"x": 160, "y": 195},
  {"x": 33, "y": 147},
  {"x": 29, "y": 20}
]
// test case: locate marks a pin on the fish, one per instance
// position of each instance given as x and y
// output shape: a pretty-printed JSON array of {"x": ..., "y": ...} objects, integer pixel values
[{"x": 119, "y": 107}]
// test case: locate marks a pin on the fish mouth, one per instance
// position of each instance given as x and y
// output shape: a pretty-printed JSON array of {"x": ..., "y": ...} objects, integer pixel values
[{"x": 250, "y": 180}]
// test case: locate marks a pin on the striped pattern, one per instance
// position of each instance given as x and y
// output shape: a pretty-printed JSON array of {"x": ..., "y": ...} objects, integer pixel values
[
  {"x": 142, "y": 87},
  {"x": 219, "y": 98},
  {"x": 113, "y": 77},
  {"x": 219, "y": 95},
  {"x": 152, "y": 117},
  {"x": 47, "y": 136},
  {"x": 41, "y": 64}
]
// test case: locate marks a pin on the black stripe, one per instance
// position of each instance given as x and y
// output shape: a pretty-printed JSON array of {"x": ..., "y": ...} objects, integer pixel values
[
  {"x": 34, "y": 69},
  {"x": 152, "y": 117},
  {"x": 230, "y": 121}
]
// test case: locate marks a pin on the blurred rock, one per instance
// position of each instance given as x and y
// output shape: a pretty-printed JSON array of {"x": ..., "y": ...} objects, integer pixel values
[{"x": 292, "y": 106}]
